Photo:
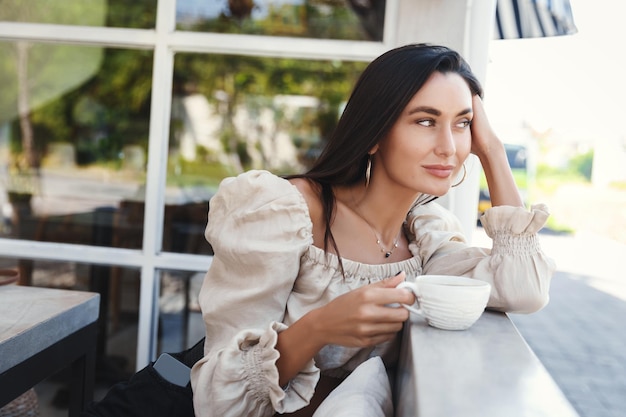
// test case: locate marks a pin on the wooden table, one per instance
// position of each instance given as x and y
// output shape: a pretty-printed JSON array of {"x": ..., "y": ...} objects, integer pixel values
[
  {"x": 487, "y": 370},
  {"x": 43, "y": 331}
]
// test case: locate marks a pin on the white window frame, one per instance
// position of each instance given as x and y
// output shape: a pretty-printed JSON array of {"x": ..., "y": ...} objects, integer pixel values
[{"x": 165, "y": 42}]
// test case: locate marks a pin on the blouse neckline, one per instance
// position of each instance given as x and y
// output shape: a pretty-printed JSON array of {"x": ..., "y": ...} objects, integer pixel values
[{"x": 354, "y": 269}]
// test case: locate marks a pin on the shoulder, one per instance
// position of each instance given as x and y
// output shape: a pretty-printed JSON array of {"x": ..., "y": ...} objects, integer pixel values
[
  {"x": 432, "y": 216},
  {"x": 311, "y": 193},
  {"x": 257, "y": 203},
  {"x": 432, "y": 209},
  {"x": 253, "y": 190},
  {"x": 254, "y": 183},
  {"x": 256, "y": 192}
]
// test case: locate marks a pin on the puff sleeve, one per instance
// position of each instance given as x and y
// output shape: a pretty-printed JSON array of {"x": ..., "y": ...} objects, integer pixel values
[
  {"x": 516, "y": 267},
  {"x": 259, "y": 228}
]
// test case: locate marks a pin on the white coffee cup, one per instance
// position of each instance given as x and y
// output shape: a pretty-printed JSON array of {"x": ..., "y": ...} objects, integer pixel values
[{"x": 448, "y": 302}]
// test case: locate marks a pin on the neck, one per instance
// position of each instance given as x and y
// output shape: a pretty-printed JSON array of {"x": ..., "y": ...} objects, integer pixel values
[{"x": 384, "y": 217}]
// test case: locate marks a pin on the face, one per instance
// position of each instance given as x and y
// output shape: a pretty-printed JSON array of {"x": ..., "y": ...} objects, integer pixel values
[{"x": 427, "y": 145}]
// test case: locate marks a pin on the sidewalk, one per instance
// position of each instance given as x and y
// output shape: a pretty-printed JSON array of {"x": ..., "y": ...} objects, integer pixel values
[{"x": 580, "y": 336}]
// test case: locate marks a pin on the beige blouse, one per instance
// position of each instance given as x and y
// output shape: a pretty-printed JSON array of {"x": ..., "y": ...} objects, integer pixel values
[{"x": 266, "y": 274}]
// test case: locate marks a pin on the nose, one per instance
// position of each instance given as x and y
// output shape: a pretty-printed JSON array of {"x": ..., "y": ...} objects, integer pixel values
[{"x": 445, "y": 143}]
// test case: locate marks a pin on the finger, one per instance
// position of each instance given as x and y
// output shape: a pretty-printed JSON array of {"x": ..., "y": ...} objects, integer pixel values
[
  {"x": 392, "y": 313},
  {"x": 477, "y": 104},
  {"x": 406, "y": 296},
  {"x": 480, "y": 119},
  {"x": 371, "y": 330},
  {"x": 392, "y": 282},
  {"x": 377, "y": 296},
  {"x": 372, "y": 340},
  {"x": 385, "y": 335},
  {"x": 372, "y": 296}
]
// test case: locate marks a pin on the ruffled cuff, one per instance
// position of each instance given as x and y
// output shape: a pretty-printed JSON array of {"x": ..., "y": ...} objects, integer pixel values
[
  {"x": 514, "y": 220},
  {"x": 260, "y": 359}
]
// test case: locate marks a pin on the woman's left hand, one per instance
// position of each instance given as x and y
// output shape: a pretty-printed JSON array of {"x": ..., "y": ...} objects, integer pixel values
[
  {"x": 484, "y": 139},
  {"x": 490, "y": 150}
]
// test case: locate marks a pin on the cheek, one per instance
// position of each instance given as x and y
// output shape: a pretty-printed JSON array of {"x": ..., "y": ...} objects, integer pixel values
[{"x": 464, "y": 146}]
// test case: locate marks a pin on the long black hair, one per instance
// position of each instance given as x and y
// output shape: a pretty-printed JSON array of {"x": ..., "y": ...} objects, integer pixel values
[{"x": 380, "y": 95}]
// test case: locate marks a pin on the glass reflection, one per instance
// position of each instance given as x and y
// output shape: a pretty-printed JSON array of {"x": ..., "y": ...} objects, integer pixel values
[
  {"x": 119, "y": 316},
  {"x": 180, "y": 319},
  {"x": 73, "y": 141},
  {"x": 321, "y": 19},
  {"x": 233, "y": 113},
  {"x": 138, "y": 14}
]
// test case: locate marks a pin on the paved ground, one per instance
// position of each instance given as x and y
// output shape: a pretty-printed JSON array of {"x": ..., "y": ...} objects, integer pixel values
[{"x": 580, "y": 337}]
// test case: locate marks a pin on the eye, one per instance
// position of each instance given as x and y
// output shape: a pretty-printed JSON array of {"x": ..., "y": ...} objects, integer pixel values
[
  {"x": 426, "y": 122},
  {"x": 464, "y": 124}
]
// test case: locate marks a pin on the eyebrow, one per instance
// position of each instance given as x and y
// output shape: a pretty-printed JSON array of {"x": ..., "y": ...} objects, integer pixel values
[{"x": 435, "y": 112}]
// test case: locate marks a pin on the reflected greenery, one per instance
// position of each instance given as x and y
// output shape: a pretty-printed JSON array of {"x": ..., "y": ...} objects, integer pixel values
[
  {"x": 110, "y": 110},
  {"x": 257, "y": 101},
  {"x": 105, "y": 112},
  {"x": 91, "y": 104},
  {"x": 138, "y": 14},
  {"x": 320, "y": 19}
]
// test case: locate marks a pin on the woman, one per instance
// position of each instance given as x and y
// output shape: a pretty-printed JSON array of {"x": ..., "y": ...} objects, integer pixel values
[{"x": 302, "y": 286}]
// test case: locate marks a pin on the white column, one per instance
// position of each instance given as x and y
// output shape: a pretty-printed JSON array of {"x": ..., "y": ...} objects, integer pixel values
[{"x": 467, "y": 27}]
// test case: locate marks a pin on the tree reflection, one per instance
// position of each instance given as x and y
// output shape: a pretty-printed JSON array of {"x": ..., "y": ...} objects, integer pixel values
[
  {"x": 93, "y": 103},
  {"x": 320, "y": 19}
]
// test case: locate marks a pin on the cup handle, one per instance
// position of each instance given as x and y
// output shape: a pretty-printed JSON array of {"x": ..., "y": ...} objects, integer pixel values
[{"x": 411, "y": 287}]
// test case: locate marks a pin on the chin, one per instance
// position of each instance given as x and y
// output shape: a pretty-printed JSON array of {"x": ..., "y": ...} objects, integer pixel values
[
  {"x": 438, "y": 191},
  {"x": 438, "y": 188}
]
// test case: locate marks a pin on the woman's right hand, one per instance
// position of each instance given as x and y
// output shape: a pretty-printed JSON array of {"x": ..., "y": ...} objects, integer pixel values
[
  {"x": 363, "y": 317},
  {"x": 359, "y": 318}
]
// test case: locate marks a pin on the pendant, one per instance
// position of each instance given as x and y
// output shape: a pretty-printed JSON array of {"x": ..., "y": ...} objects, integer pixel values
[{"x": 387, "y": 254}]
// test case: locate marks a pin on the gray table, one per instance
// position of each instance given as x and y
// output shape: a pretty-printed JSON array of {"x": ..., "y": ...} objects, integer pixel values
[
  {"x": 43, "y": 331},
  {"x": 487, "y": 370}
]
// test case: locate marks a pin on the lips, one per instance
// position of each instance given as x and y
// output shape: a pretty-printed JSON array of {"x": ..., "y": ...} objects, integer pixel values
[{"x": 440, "y": 171}]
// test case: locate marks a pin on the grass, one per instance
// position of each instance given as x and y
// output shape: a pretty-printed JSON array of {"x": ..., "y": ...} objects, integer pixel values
[{"x": 577, "y": 205}]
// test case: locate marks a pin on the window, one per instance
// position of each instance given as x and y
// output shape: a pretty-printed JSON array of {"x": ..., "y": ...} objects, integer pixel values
[{"x": 118, "y": 120}]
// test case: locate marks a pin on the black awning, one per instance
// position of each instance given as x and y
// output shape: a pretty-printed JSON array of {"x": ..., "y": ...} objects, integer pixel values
[{"x": 517, "y": 19}]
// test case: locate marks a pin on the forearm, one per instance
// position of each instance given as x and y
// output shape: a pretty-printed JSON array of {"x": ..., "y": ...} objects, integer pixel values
[
  {"x": 502, "y": 188},
  {"x": 297, "y": 346}
]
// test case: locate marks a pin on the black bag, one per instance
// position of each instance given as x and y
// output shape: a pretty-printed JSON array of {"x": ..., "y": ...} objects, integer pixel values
[{"x": 148, "y": 394}]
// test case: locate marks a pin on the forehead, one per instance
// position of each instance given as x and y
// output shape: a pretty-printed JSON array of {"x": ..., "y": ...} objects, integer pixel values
[{"x": 444, "y": 92}]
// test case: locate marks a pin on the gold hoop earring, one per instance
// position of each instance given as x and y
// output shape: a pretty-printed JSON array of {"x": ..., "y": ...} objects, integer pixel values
[
  {"x": 368, "y": 170},
  {"x": 462, "y": 179}
]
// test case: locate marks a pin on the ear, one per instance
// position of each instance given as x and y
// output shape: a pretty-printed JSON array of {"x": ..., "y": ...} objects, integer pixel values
[{"x": 373, "y": 150}]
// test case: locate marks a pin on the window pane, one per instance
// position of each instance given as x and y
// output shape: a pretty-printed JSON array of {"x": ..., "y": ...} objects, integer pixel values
[
  {"x": 180, "y": 319},
  {"x": 334, "y": 19},
  {"x": 117, "y": 326},
  {"x": 139, "y": 14},
  {"x": 231, "y": 114},
  {"x": 73, "y": 143}
]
